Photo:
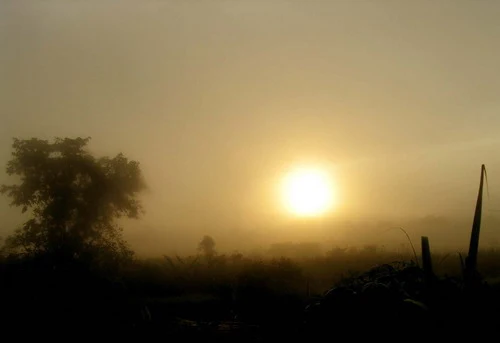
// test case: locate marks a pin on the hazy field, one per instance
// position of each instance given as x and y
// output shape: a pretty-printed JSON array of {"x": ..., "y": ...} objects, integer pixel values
[{"x": 218, "y": 297}]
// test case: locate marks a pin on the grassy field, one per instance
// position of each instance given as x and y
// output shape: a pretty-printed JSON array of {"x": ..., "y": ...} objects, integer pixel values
[{"x": 228, "y": 296}]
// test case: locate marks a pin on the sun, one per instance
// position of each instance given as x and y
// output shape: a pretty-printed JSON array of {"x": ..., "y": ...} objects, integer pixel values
[{"x": 307, "y": 192}]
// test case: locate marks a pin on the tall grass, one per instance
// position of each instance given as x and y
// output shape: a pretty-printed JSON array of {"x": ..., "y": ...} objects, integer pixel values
[{"x": 471, "y": 273}]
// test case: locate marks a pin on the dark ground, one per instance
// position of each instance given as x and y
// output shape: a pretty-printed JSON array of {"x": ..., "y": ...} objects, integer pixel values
[{"x": 244, "y": 300}]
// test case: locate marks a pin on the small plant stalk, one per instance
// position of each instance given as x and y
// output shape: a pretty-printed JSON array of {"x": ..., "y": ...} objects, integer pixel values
[{"x": 411, "y": 244}]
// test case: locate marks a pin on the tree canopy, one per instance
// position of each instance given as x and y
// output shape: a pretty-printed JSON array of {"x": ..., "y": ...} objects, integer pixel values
[
  {"x": 72, "y": 197},
  {"x": 207, "y": 247}
]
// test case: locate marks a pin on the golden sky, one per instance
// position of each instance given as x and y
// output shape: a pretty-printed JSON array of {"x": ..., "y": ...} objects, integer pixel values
[{"x": 217, "y": 99}]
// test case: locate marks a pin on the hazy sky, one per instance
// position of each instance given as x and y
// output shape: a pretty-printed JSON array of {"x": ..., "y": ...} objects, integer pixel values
[{"x": 217, "y": 99}]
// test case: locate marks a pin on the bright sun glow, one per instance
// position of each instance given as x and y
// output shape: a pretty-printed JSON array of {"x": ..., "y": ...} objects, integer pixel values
[{"x": 307, "y": 192}]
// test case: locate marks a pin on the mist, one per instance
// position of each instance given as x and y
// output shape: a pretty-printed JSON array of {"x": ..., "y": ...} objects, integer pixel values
[
  {"x": 217, "y": 100},
  {"x": 249, "y": 170}
]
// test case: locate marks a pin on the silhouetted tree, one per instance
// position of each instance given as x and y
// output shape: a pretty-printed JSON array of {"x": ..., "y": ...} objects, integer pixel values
[
  {"x": 73, "y": 198},
  {"x": 207, "y": 247}
]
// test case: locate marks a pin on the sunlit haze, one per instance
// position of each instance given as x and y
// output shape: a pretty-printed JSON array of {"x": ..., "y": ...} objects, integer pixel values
[
  {"x": 394, "y": 105},
  {"x": 307, "y": 192}
]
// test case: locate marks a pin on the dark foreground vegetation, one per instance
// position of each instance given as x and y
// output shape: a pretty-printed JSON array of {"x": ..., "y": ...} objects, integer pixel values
[
  {"x": 67, "y": 274},
  {"x": 241, "y": 299}
]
